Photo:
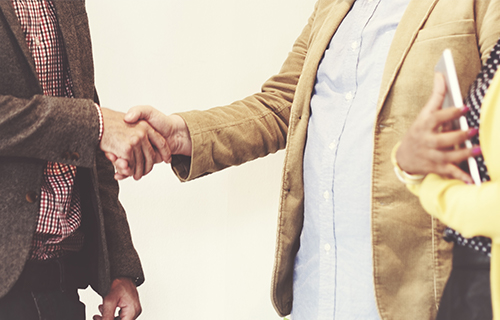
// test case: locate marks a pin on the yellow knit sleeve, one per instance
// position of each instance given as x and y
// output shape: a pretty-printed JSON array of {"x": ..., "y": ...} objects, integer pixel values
[{"x": 471, "y": 210}]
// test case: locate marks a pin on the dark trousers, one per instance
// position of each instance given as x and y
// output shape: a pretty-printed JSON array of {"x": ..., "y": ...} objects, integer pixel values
[
  {"x": 46, "y": 305},
  {"x": 46, "y": 291},
  {"x": 467, "y": 295}
]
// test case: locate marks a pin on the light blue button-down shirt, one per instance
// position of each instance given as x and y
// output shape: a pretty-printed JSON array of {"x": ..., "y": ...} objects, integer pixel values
[{"x": 333, "y": 276}]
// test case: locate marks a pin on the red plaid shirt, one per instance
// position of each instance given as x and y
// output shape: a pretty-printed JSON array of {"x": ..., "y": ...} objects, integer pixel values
[{"x": 60, "y": 211}]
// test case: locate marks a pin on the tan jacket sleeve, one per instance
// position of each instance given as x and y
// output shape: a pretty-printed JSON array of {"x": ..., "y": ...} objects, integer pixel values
[{"x": 246, "y": 129}]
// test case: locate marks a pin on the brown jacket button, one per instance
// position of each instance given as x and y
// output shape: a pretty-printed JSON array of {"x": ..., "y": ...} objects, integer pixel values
[
  {"x": 75, "y": 156},
  {"x": 31, "y": 197}
]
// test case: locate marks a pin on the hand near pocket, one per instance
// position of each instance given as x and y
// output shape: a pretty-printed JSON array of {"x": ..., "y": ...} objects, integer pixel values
[{"x": 427, "y": 148}]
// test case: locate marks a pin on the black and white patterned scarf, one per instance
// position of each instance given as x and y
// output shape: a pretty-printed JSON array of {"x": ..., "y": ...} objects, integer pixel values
[{"x": 474, "y": 101}]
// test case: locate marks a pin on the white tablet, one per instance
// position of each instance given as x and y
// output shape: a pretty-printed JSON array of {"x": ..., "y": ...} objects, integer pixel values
[{"x": 453, "y": 98}]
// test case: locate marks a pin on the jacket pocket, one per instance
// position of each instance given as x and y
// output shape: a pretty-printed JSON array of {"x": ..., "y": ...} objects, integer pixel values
[{"x": 445, "y": 30}]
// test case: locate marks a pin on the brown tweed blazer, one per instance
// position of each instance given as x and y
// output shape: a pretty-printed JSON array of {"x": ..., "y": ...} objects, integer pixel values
[{"x": 35, "y": 129}]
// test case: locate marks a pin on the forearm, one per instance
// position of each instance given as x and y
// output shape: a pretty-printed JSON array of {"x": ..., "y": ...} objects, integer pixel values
[
  {"x": 469, "y": 209},
  {"x": 48, "y": 128},
  {"x": 228, "y": 136}
]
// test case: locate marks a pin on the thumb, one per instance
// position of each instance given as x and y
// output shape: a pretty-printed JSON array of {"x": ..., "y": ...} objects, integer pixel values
[
  {"x": 438, "y": 92},
  {"x": 111, "y": 156},
  {"x": 138, "y": 113}
]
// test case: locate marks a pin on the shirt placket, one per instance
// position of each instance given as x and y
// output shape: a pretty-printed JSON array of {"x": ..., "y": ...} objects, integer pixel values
[
  {"x": 350, "y": 85},
  {"x": 59, "y": 215}
]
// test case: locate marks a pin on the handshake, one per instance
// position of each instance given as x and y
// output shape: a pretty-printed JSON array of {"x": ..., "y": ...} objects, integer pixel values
[{"x": 134, "y": 142}]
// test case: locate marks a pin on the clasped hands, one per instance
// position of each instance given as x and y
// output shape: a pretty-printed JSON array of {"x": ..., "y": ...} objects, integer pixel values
[
  {"x": 136, "y": 141},
  {"x": 429, "y": 146}
]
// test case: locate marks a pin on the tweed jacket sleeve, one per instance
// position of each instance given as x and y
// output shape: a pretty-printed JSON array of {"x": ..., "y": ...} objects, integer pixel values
[
  {"x": 36, "y": 126},
  {"x": 49, "y": 128},
  {"x": 123, "y": 258}
]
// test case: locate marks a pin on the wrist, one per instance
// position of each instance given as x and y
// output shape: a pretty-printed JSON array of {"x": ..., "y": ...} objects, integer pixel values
[
  {"x": 182, "y": 136},
  {"x": 403, "y": 176}
]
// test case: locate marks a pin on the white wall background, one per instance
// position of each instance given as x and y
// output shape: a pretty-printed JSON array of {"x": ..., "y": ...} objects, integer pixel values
[{"x": 206, "y": 246}]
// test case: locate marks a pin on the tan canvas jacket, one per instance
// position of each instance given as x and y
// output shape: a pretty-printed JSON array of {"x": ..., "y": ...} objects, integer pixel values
[{"x": 411, "y": 261}]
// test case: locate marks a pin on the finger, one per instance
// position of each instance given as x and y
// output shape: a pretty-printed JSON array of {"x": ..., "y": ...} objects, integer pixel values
[
  {"x": 122, "y": 167},
  {"x": 139, "y": 162},
  {"x": 458, "y": 155},
  {"x": 444, "y": 158},
  {"x": 98, "y": 317},
  {"x": 160, "y": 144},
  {"x": 449, "y": 114},
  {"x": 450, "y": 139},
  {"x": 130, "y": 156},
  {"x": 130, "y": 311},
  {"x": 127, "y": 314},
  {"x": 149, "y": 156},
  {"x": 119, "y": 177},
  {"x": 136, "y": 147},
  {"x": 109, "y": 307},
  {"x": 158, "y": 157},
  {"x": 453, "y": 172},
  {"x": 144, "y": 153},
  {"x": 151, "y": 147}
]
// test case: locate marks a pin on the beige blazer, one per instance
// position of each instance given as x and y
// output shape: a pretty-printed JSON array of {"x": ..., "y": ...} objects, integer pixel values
[
  {"x": 35, "y": 129},
  {"x": 411, "y": 261}
]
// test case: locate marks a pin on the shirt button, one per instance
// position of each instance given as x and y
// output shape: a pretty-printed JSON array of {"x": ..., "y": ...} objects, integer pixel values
[
  {"x": 328, "y": 247},
  {"x": 348, "y": 96},
  {"x": 326, "y": 195},
  {"x": 332, "y": 145},
  {"x": 37, "y": 41},
  {"x": 354, "y": 45},
  {"x": 31, "y": 197}
]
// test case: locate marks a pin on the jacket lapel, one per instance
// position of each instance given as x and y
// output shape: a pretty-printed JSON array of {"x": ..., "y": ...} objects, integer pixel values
[
  {"x": 329, "y": 20},
  {"x": 333, "y": 17},
  {"x": 10, "y": 15},
  {"x": 415, "y": 16},
  {"x": 71, "y": 44}
]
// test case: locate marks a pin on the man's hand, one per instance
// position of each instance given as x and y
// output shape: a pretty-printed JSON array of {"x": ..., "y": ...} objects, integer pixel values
[
  {"x": 173, "y": 129},
  {"x": 426, "y": 148},
  {"x": 123, "y": 294},
  {"x": 138, "y": 144}
]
